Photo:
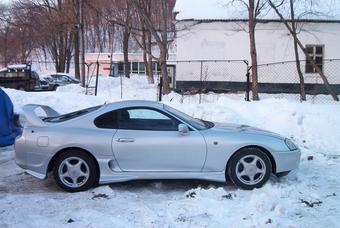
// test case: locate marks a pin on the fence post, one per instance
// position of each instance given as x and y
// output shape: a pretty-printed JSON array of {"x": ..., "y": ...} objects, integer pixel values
[
  {"x": 97, "y": 74},
  {"x": 160, "y": 87},
  {"x": 121, "y": 86},
  {"x": 201, "y": 83},
  {"x": 247, "y": 84}
]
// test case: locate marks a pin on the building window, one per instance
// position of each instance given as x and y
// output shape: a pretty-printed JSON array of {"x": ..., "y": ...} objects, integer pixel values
[
  {"x": 315, "y": 52},
  {"x": 120, "y": 68},
  {"x": 141, "y": 68},
  {"x": 135, "y": 67}
]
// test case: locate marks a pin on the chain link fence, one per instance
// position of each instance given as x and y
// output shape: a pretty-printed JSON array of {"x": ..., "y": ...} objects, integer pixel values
[
  {"x": 204, "y": 80},
  {"x": 281, "y": 80},
  {"x": 205, "y": 76},
  {"x": 275, "y": 80}
]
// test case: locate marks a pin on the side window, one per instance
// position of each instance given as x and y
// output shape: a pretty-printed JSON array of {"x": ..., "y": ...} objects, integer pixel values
[
  {"x": 107, "y": 120},
  {"x": 64, "y": 79},
  {"x": 146, "y": 119}
]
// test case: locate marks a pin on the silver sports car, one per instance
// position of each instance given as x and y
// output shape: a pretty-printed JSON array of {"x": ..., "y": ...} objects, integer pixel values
[{"x": 132, "y": 140}]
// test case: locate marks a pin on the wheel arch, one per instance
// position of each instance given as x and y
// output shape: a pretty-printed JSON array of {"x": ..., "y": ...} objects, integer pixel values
[
  {"x": 64, "y": 150},
  {"x": 264, "y": 150}
]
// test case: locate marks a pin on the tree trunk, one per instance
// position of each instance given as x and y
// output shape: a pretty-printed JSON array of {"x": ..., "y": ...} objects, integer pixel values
[
  {"x": 149, "y": 57},
  {"x": 76, "y": 54},
  {"x": 164, "y": 72},
  {"x": 253, "y": 52},
  {"x": 126, "y": 35},
  {"x": 297, "y": 59},
  {"x": 164, "y": 48},
  {"x": 145, "y": 57}
]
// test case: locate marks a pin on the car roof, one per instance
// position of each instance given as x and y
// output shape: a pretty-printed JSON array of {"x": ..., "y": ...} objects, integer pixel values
[{"x": 133, "y": 103}]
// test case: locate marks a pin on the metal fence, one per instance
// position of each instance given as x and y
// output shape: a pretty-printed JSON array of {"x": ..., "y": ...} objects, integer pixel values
[
  {"x": 205, "y": 79},
  {"x": 282, "y": 80},
  {"x": 204, "y": 76},
  {"x": 275, "y": 80}
]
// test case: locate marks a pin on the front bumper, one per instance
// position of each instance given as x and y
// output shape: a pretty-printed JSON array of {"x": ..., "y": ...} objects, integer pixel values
[{"x": 287, "y": 160}]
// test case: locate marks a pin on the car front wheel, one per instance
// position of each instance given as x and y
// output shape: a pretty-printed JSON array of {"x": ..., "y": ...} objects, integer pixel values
[
  {"x": 75, "y": 171},
  {"x": 249, "y": 168}
]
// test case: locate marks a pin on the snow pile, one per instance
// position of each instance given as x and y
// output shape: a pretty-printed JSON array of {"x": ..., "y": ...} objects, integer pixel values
[
  {"x": 112, "y": 89},
  {"x": 307, "y": 197}
]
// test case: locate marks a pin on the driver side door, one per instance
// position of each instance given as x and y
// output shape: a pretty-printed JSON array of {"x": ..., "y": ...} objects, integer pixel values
[{"x": 147, "y": 140}]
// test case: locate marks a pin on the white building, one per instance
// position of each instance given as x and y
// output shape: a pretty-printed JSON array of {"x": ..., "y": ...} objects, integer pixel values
[
  {"x": 113, "y": 64},
  {"x": 204, "y": 36}
]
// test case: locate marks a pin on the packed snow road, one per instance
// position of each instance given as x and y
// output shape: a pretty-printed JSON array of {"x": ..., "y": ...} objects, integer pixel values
[{"x": 307, "y": 197}]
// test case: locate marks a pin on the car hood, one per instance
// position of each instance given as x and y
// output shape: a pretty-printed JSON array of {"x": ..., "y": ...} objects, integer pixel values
[{"x": 227, "y": 127}]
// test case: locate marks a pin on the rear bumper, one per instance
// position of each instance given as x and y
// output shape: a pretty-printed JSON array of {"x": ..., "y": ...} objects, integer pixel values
[
  {"x": 33, "y": 163},
  {"x": 287, "y": 160}
]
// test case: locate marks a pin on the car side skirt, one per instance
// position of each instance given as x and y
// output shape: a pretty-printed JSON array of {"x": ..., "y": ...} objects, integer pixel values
[{"x": 128, "y": 176}]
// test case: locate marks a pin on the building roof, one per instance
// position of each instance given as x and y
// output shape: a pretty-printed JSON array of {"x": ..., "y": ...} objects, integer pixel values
[{"x": 228, "y": 10}]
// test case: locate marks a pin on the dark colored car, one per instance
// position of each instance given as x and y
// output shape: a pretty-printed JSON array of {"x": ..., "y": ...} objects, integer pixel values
[
  {"x": 51, "y": 82},
  {"x": 61, "y": 79}
]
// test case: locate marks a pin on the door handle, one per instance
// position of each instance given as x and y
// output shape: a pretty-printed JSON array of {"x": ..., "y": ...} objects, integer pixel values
[{"x": 125, "y": 140}]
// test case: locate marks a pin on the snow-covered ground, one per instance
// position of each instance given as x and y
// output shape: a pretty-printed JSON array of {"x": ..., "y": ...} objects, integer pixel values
[{"x": 308, "y": 196}]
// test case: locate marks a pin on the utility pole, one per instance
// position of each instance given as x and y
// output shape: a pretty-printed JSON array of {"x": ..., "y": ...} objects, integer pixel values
[{"x": 81, "y": 14}]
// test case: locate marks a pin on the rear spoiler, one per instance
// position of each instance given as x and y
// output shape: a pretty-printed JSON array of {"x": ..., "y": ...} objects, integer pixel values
[{"x": 32, "y": 119}]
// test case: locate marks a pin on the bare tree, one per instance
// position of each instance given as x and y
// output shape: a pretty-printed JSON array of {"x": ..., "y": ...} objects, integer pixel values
[
  {"x": 299, "y": 43},
  {"x": 51, "y": 21},
  {"x": 5, "y": 35},
  {"x": 296, "y": 51},
  {"x": 254, "y": 8},
  {"x": 147, "y": 42},
  {"x": 143, "y": 38},
  {"x": 159, "y": 34}
]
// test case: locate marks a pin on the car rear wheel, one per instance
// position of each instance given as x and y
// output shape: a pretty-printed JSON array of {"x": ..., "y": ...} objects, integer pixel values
[
  {"x": 249, "y": 168},
  {"x": 75, "y": 171}
]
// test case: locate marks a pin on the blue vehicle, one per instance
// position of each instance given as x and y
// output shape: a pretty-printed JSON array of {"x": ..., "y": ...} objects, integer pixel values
[{"x": 9, "y": 122}]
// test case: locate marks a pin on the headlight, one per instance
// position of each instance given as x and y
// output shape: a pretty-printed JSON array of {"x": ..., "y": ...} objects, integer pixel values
[{"x": 290, "y": 144}]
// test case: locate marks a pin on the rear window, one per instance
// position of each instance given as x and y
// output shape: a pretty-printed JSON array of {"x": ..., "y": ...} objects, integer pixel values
[{"x": 69, "y": 116}]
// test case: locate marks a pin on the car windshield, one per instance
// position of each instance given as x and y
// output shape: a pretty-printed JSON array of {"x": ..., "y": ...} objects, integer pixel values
[
  {"x": 72, "y": 115},
  {"x": 196, "y": 123}
]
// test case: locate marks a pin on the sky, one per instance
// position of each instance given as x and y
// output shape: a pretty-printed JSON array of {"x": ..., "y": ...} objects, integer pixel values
[{"x": 224, "y": 9}]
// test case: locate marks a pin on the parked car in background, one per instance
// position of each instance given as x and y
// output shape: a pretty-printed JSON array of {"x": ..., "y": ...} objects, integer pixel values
[
  {"x": 52, "y": 84},
  {"x": 61, "y": 79},
  {"x": 43, "y": 85},
  {"x": 19, "y": 77}
]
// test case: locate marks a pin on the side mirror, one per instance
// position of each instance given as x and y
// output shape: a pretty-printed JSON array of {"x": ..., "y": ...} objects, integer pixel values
[{"x": 183, "y": 129}]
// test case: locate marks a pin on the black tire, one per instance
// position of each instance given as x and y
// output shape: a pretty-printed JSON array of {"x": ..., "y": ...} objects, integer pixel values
[
  {"x": 87, "y": 163},
  {"x": 55, "y": 87},
  {"x": 261, "y": 163}
]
